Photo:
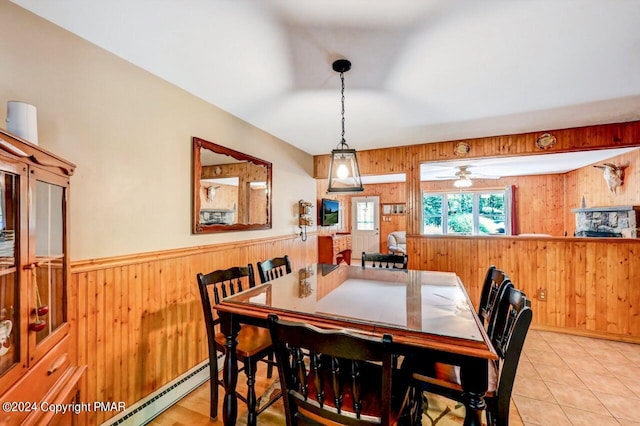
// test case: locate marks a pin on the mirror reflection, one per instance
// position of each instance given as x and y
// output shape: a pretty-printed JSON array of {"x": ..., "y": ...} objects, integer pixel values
[
  {"x": 231, "y": 189},
  {"x": 8, "y": 217}
]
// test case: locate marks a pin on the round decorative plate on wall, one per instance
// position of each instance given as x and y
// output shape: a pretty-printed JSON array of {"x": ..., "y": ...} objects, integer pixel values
[
  {"x": 462, "y": 148},
  {"x": 546, "y": 141}
]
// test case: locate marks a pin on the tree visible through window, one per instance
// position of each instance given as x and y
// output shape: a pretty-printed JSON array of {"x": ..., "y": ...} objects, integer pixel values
[{"x": 466, "y": 213}]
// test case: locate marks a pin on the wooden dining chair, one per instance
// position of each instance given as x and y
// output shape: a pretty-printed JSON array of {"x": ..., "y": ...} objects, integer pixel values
[
  {"x": 493, "y": 286},
  {"x": 254, "y": 343},
  {"x": 512, "y": 323},
  {"x": 274, "y": 268},
  {"x": 380, "y": 260},
  {"x": 334, "y": 377}
]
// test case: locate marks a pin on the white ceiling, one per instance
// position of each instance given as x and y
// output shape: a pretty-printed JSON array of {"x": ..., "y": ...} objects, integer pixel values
[{"x": 423, "y": 71}]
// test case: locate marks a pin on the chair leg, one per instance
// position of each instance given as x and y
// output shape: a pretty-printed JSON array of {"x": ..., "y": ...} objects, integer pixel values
[
  {"x": 250, "y": 371},
  {"x": 213, "y": 394},
  {"x": 270, "y": 365}
]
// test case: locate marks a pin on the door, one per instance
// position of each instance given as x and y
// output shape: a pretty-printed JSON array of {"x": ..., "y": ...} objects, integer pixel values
[{"x": 365, "y": 225}]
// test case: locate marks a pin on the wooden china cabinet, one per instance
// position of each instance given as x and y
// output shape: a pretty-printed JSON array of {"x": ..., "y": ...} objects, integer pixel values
[{"x": 37, "y": 353}]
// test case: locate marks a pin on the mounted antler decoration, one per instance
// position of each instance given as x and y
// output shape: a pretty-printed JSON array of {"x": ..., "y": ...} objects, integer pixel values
[
  {"x": 613, "y": 175},
  {"x": 211, "y": 192}
]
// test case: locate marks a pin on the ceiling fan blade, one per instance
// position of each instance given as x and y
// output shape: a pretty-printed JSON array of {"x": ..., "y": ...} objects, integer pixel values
[{"x": 480, "y": 176}]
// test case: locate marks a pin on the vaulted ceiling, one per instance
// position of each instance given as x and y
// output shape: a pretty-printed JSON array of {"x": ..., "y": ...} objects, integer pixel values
[{"x": 423, "y": 71}]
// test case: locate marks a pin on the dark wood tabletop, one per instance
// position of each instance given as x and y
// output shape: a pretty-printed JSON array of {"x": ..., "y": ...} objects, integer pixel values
[{"x": 426, "y": 311}]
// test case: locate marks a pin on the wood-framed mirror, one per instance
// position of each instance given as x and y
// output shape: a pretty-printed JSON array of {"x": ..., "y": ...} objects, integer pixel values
[{"x": 231, "y": 191}]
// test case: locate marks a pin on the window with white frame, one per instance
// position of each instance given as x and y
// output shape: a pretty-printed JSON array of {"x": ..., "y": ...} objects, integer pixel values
[
  {"x": 480, "y": 212},
  {"x": 365, "y": 216}
]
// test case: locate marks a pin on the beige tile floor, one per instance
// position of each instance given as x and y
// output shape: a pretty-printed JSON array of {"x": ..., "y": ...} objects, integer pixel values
[{"x": 571, "y": 380}]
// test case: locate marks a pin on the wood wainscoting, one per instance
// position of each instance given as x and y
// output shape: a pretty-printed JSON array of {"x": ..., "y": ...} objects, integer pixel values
[
  {"x": 139, "y": 319},
  {"x": 592, "y": 285}
]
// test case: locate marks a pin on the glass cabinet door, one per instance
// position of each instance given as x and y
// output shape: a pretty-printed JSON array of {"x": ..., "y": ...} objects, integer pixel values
[
  {"x": 47, "y": 272},
  {"x": 9, "y": 277}
]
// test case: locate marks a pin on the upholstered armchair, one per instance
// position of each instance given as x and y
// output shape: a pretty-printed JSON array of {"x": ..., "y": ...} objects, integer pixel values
[{"x": 397, "y": 242}]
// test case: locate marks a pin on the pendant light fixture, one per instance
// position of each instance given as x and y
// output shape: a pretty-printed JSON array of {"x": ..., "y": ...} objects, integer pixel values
[{"x": 344, "y": 174}]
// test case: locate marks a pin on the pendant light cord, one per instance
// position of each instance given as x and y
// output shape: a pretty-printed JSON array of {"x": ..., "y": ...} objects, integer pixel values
[{"x": 342, "y": 80}]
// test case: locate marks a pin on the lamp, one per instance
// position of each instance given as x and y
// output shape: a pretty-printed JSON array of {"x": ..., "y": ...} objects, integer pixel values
[
  {"x": 462, "y": 182},
  {"x": 344, "y": 174}
]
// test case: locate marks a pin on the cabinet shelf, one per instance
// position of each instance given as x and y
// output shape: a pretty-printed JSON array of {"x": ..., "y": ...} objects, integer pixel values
[{"x": 393, "y": 209}]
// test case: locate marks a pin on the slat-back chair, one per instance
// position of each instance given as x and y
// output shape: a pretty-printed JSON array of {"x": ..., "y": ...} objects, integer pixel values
[
  {"x": 254, "y": 343},
  {"x": 494, "y": 282},
  {"x": 274, "y": 268},
  {"x": 388, "y": 261},
  {"x": 335, "y": 377},
  {"x": 512, "y": 323}
]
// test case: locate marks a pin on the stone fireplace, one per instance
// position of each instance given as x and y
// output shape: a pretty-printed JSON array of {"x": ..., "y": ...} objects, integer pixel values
[{"x": 614, "y": 221}]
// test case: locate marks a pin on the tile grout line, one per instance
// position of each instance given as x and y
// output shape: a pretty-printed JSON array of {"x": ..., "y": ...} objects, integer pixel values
[
  {"x": 580, "y": 378},
  {"x": 610, "y": 348}
]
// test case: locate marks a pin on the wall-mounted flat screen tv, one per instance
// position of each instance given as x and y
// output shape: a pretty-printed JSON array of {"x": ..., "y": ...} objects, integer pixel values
[{"x": 330, "y": 212}]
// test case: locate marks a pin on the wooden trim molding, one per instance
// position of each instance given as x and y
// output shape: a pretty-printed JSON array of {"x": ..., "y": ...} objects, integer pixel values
[{"x": 115, "y": 261}]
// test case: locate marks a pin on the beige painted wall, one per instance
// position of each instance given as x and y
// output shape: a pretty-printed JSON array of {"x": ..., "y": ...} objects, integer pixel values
[{"x": 129, "y": 133}]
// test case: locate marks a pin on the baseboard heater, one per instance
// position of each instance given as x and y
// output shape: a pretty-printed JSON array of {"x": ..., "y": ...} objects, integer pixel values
[{"x": 151, "y": 406}]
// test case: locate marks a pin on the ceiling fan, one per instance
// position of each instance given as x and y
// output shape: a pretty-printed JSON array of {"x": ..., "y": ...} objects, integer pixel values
[
  {"x": 463, "y": 177},
  {"x": 464, "y": 172}
]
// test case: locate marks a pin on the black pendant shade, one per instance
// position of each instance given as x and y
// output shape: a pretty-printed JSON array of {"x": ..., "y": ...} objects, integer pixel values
[{"x": 344, "y": 173}]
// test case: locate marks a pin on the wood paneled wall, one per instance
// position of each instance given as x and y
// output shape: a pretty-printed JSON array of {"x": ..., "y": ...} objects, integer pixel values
[
  {"x": 588, "y": 182},
  {"x": 388, "y": 193},
  {"x": 139, "y": 318},
  {"x": 408, "y": 159},
  {"x": 539, "y": 200},
  {"x": 591, "y": 284},
  {"x": 403, "y": 159}
]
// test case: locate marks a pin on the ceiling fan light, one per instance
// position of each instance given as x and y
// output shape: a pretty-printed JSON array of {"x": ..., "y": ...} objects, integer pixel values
[{"x": 463, "y": 182}]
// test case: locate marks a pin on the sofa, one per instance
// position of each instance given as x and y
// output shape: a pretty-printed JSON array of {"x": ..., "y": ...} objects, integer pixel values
[{"x": 397, "y": 242}]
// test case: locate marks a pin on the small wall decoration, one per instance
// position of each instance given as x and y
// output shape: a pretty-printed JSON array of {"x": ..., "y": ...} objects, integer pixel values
[
  {"x": 305, "y": 288},
  {"x": 461, "y": 149},
  {"x": 211, "y": 192},
  {"x": 304, "y": 218},
  {"x": 613, "y": 175},
  {"x": 546, "y": 141}
]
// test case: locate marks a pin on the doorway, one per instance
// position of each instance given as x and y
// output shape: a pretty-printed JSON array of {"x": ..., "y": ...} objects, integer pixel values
[{"x": 365, "y": 225}]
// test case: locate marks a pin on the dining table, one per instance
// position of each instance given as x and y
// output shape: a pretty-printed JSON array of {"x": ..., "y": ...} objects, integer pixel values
[{"x": 428, "y": 314}]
